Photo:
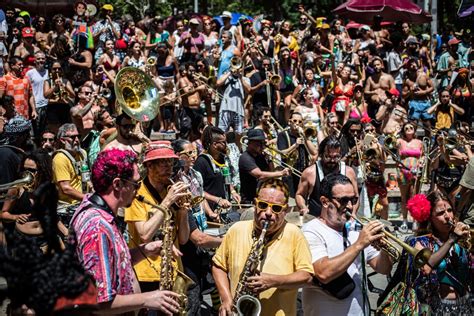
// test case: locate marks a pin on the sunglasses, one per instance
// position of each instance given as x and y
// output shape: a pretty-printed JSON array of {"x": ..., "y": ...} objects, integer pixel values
[
  {"x": 191, "y": 153},
  {"x": 266, "y": 65},
  {"x": 45, "y": 139},
  {"x": 72, "y": 136},
  {"x": 135, "y": 184},
  {"x": 355, "y": 130},
  {"x": 297, "y": 121},
  {"x": 329, "y": 158},
  {"x": 32, "y": 170},
  {"x": 207, "y": 23},
  {"x": 408, "y": 128},
  {"x": 370, "y": 130},
  {"x": 344, "y": 200},
  {"x": 263, "y": 206}
]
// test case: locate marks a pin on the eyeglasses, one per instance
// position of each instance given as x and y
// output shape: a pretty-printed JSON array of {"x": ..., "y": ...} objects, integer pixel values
[
  {"x": 263, "y": 205},
  {"x": 344, "y": 200},
  {"x": 32, "y": 170},
  {"x": 49, "y": 140},
  {"x": 191, "y": 153},
  {"x": 333, "y": 158},
  {"x": 72, "y": 136},
  {"x": 135, "y": 184}
]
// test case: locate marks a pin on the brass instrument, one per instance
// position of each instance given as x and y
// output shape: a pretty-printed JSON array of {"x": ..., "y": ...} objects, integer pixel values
[
  {"x": 426, "y": 164},
  {"x": 137, "y": 94},
  {"x": 420, "y": 256},
  {"x": 245, "y": 302},
  {"x": 310, "y": 130},
  {"x": 62, "y": 93},
  {"x": 280, "y": 162},
  {"x": 199, "y": 77},
  {"x": 151, "y": 61},
  {"x": 390, "y": 142},
  {"x": 360, "y": 157},
  {"x": 193, "y": 197},
  {"x": 27, "y": 182},
  {"x": 236, "y": 64},
  {"x": 170, "y": 280},
  {"x": 466, "y": 243},
  {"x": 275, "y": 78}
]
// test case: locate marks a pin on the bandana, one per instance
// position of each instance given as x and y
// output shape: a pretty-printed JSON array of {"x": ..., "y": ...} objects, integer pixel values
[{"x": 17, "y": 125}]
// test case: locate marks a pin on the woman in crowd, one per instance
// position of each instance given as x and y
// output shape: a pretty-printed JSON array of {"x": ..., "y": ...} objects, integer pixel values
[
  {"x": 41, "y": 33},
  {"x": 80, "y": 63},
  {"x": 410, "y": 151},
  {"x": 343, "y": 92},
  {"x": 135, "y": 57},
  {"x": 443, "y": 284},
  {"x": 310, "y": 82},
  {"x": 59, "y": 28},
  {"x": 286, "y": 71},
  {"x": 357, "y": 109},
  {"x": 109, "y": 60},
  {"x": 156, "y": 35}
]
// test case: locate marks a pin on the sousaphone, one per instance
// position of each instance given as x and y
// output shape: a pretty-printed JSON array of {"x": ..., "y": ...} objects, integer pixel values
[{"x": 137, "y": 94}]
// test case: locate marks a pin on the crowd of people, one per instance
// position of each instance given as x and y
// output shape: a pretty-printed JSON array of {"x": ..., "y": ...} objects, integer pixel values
[{"x": 102, "y": 213}]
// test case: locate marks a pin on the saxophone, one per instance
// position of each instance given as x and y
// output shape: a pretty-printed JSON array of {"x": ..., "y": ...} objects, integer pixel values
[
  {"x": 168, "y": 281},
  {"x": 245, "y": 302}
]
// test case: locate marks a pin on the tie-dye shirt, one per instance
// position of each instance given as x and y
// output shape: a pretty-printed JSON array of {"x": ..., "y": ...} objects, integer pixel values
[{"x": 103, "y": 252}]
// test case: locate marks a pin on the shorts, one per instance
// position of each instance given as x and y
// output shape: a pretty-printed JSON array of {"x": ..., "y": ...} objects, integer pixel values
[
  {"x": 417, "y": 110},
  {"x": 374, "y": 188},
  {"x": 229, "y": 119}
]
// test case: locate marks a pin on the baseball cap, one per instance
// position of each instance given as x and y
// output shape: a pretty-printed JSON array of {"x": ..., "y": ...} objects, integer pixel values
[
  {"x": 160, "y": 149},
  {"x": 365, "y": 27},
  {"x": 454, "y": 41},
  {"x": 27, "y": 32},
  {"x": 226, "y": 14},
  {"x": 194, "y": 21},
  {"x": 108, "y": 7}
]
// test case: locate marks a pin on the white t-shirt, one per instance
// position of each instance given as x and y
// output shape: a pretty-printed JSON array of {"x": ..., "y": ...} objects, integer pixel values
[
  {"x": 326, "y": 242},
  {"x": 37, "y": 83}
]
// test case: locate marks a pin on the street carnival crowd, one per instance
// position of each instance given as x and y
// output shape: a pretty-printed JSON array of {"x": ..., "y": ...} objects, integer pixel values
[{"x": 279, "y": 143}]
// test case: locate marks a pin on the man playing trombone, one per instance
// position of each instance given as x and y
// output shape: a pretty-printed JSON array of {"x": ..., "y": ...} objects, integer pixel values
[
  {"x": 339, "y": 286},
  {"x": 254, "y": 166}
]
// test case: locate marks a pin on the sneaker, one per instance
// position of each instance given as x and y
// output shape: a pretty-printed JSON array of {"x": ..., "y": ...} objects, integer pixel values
[{"x": 404, "y": 228}]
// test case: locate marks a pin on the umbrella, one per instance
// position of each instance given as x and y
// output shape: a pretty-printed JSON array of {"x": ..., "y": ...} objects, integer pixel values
[
  {"x": 355, "y": 25},
  {"x": 235, "y": 18},
  {"x": 466, "y": 8},
  {"x": 363, "y": 11}
]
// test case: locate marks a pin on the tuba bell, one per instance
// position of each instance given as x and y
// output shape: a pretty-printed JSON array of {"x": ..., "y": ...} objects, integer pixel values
[
  {"x": 137, "y": 94},
  {"x": 27, "y": 182},
  {"x": 235, "y": 64}
]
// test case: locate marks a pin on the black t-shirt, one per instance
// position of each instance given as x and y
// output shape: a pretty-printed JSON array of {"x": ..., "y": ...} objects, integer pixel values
[
  {"x": 191, "y": 260},
  {"x": 214, "y": 182},
  {"x": 10, "y": 161},
  {"x": 282, "y": 143},
  {"x": 259, "y": 98},
  {"x": 249, "y": 183}
]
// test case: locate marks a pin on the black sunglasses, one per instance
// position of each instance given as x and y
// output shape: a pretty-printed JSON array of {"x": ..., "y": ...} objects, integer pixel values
[
  {"x": 344, "y": 200},
  {"x": 135, "y": 184}
]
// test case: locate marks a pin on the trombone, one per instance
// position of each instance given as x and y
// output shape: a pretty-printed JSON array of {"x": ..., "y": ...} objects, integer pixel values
[
  {"x": 280, "y": 162},
  {"x": 420, "y": 256},
  {"x": 199, "y": 77}
]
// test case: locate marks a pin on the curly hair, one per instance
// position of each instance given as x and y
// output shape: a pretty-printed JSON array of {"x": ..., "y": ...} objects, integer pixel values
[
  {"x": 433, "y": 197},
  {"x": 44, "y": 164},
  {"x": 36, "y": 278},
  {"x": 111, "y": 164}
]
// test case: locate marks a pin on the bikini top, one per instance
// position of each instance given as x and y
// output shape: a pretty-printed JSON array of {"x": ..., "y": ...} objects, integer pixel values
[
  {"x": 340, "y": 92},
  {"x": 409, "y": 152}
]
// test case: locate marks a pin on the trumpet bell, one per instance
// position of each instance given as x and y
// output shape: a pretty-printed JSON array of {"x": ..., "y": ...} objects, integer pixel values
[
  {"x": 235, "y": 63},
  {"x": 137, "y": 94},
  {"x": 421, "y": 257}
]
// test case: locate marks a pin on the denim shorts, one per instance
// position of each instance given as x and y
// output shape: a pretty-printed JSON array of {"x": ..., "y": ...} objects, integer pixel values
[{"x": 417, "y": 109}]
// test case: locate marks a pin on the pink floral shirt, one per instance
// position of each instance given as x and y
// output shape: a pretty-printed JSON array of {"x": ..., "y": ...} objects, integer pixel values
[{"x": 103, "y": 251}]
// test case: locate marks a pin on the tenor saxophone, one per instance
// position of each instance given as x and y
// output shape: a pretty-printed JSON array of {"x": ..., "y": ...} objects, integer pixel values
[
  {"x": 168, "y": 281},
  {"x": 245, "y": 302}
]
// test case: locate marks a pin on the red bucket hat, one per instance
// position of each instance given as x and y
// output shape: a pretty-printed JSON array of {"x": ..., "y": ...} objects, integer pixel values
[{"x": 160, "y": 149}]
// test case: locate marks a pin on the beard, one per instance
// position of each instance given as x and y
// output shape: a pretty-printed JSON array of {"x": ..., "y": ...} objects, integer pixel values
[{"x": 74, "y": 148}]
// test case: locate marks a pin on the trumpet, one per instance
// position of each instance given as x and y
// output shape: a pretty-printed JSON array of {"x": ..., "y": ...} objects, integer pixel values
[
  {"x": 151, "y": 61},
  {"x": 464, "y": 242},
  {"x": 26, "y": 181},
  {"x": 420, "y": 256}
]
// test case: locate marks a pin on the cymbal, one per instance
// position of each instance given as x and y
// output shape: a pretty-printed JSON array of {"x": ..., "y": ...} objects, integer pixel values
[{"x": 297, "y": 219}]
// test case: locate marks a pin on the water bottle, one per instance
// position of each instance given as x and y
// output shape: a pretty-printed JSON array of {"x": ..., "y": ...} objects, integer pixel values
[
  {"x": 226, "y": 173},
  {"x": 85, "y": 177}
]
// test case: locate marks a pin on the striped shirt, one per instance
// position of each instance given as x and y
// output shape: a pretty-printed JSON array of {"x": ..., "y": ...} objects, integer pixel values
[
  {"x": 103, "y": 252},
  {"x": 20, "y": 89}
]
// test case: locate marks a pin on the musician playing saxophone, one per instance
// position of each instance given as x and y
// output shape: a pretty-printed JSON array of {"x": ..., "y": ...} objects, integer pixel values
[
  {"x": 144, "y": 221},
  {"x": 285, "y": 264}
]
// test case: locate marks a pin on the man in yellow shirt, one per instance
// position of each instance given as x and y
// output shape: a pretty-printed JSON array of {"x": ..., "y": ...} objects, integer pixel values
[
  {"x": 67, "y": 163},
  {"x": 286, "y": 260},
  {"x": 145, "y": 222}
]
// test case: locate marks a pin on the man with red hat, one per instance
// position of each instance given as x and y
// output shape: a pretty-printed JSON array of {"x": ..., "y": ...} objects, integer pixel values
[
  {"x": 27, "y": 49},
  {"x": 145, "y": 221}
]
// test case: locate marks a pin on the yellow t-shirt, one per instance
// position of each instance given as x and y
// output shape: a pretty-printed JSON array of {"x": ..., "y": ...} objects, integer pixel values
[
  {"x": 63, "y": 170},
  {"x": 138, "y": 212},
  {"x": 287, "y": 254}
]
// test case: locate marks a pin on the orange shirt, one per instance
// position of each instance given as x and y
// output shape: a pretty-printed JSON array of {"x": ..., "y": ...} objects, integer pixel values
[{"x": 20, "y": 89}]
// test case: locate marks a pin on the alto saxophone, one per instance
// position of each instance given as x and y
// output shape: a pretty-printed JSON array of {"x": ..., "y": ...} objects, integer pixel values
[
  {"x": 168, "y": 281},
  {"x": 245, "y": 302}
]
